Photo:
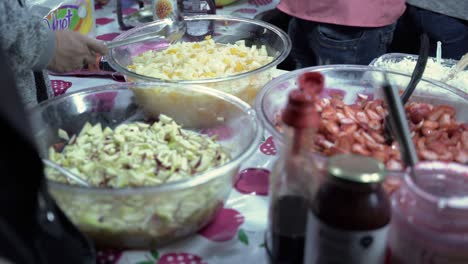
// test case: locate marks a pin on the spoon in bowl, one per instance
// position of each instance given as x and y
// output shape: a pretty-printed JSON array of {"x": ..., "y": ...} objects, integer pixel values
[
  {"x": 173, "y": 31},
  {"x": 460, "y": 66},
  {"x": 415, "y": 78},
  {"x": 397, "y": 120},
  {"x": 68, "y": 174}
]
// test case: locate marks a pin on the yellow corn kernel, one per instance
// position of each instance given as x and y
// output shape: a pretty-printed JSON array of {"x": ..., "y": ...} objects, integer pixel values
[
  {"x": 234, "y": 51},
  {"x": 211, "y": 74},
  {"x": 239, "y": 67},
  {"x": 192, "y": 56},
  {"x": 179, "y": 56},
  {"x": 168, "y": 74},
  {"x": 242, "y": 54},
  {"x": 196, "y": 45},
  {"x": 208, "y": 75},
  {"x": 210, "y": 51},
  {"x": 208, "y": 37},
  {"x": 249, "y": 61},
  {"x": 172, "y": 51},
  {"x": 226, "y": 61},
  {"x": 132, "y": 67}
]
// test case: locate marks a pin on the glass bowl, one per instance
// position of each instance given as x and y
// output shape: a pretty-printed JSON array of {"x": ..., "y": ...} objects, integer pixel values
[
  {"x": 349, "y": 81},
  {"x": 405, "y": 63},
  {"x": 222, "y": 29},
  {"x": 146, "y": 217}
]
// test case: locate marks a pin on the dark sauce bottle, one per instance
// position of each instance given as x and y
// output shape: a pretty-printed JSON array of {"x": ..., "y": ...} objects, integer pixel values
[
  {"x": 349, "y": 215},
  {"x": 291, "y": 177},
  {"x": 289, "y": 226}
]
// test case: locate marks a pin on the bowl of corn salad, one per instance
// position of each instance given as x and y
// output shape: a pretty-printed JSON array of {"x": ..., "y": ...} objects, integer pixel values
[{"x": 231, "y": 54}]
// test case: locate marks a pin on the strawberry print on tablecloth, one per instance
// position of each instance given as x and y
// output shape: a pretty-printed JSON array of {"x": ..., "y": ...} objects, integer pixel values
[
  {"x": 108, "y": 257},
  {"x": 104, "y": 21},
  {"x": 268, "y": 147},
  {"x": 180, "y": 258},
  {"x": 253, "y": 181},
  {"x": 221, "y": 132},
  {"x": 127, "y": 11},
  {"x": 108, "y": 36},
  {"x": 224, "y": 226},
  {"x": 102, "y": 102},
  {"x": 59, "y": 87},
  {"x": 260, "y": 2},
  {"x": 172, "y": 258},
  {"x": 98, "y": 6}
]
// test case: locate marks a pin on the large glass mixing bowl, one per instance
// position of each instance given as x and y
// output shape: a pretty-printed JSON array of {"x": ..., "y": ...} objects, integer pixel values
[
  {"x": 223, "y": 30},
  {"x": 149, "y": 216},
  {"x": 351, "y": 81}
]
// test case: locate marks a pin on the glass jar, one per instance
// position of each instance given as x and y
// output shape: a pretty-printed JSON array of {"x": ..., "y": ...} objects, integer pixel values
[
  {"x": 349, "y": 216},
  {"x": 430, "y": 216}
]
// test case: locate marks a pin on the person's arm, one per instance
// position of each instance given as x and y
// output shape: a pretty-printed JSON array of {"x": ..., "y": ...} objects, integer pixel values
[
  {"x": 32, "y": 46},
  {"x": 24, "y": 37}
]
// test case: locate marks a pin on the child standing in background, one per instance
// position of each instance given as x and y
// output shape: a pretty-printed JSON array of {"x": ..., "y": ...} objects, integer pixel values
[{"x": 340, "y": 31}]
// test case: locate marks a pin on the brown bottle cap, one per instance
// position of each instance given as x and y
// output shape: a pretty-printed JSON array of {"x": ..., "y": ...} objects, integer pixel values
[
  {"x": 300, "y": 111},
  {"x": 311, "y": 82}
]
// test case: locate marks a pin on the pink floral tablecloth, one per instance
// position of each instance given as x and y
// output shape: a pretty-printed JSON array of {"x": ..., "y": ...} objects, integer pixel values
[{"x": 236, "y": 234}]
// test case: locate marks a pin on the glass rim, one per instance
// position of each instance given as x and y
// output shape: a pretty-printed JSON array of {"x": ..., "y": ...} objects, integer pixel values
[
  {"x": 437, "y": 167},
  {"x": 277, "y": 60},
  {"x": 260, "y": 100},
  {"x": 195, "y": 180}
]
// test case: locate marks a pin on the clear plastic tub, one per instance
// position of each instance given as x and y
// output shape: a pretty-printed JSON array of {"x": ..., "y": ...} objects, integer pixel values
[{"x": 430, "y": 216}]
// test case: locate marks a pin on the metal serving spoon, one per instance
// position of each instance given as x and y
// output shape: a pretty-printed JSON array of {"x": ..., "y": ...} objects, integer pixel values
[
  {"x": 415, "y": 78},
  {"x": 69, "y": 175},
  {"x": 174, "y": 29},
  {"x": 397, "y": 120},
  {"x": 173, "y": 32}
]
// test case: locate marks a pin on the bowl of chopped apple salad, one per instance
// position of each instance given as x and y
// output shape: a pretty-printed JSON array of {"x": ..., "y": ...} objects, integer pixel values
[
  {"x": 157, "y": 173},
  {"x": 232, "y": 54}
]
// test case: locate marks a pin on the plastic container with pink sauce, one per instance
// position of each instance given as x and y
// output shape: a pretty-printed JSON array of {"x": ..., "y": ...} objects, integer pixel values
[{"x": 430, "y": 216}]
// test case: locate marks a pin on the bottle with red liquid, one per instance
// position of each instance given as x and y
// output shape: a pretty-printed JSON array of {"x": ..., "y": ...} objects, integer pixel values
[
  {"x": 349, "y": 215},
  {"x": 292, "y": 175}
]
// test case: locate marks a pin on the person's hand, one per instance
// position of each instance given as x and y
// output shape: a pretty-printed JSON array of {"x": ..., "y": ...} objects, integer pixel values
[{"x": 73, "y": 50}]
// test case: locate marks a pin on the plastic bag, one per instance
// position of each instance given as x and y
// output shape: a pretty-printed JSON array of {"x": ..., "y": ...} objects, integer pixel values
[{"x": 76, "y": 15}]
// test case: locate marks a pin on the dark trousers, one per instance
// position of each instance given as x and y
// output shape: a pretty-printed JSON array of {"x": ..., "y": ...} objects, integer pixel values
[
  {"x": 452, "y": 32},
  {"x": 320, "y": 43}
]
